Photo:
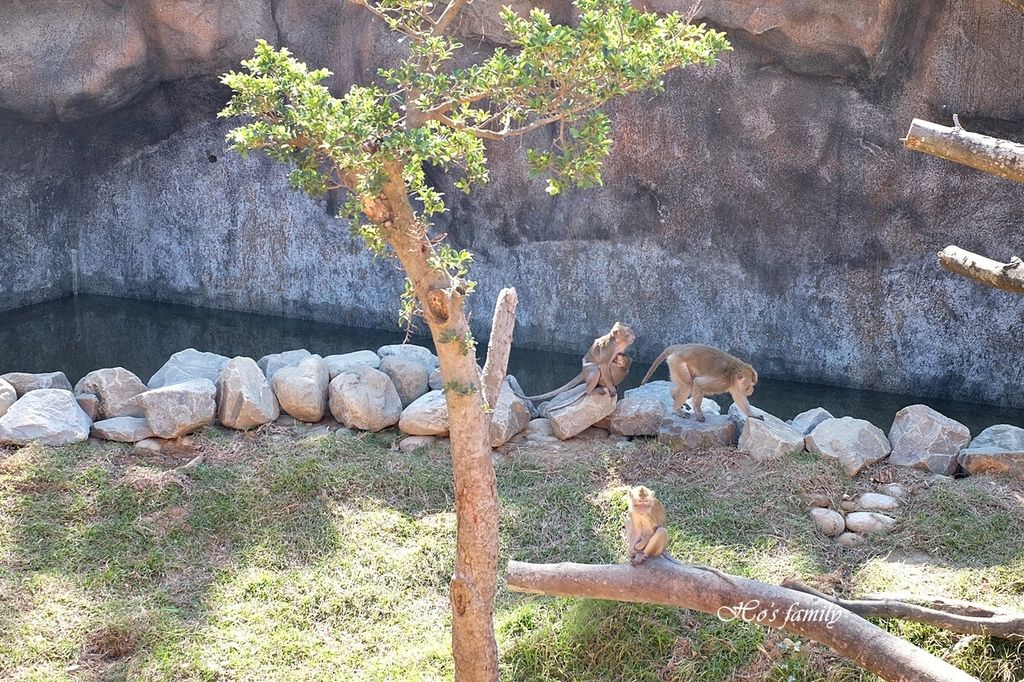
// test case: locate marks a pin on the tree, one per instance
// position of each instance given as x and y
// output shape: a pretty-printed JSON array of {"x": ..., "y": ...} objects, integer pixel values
[{"x": 374, "y": 142}]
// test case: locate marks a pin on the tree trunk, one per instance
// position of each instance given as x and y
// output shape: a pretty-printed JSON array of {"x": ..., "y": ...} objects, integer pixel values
[
  {"x": 1005, "y": 276},
  {"x": 660, "y": 581},
  {"x": 989, "y": 154},
  {"x": 476, "y": 497}
]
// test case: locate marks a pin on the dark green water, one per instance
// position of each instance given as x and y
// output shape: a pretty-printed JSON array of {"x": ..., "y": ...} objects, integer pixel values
[{"x": 83, "y": 333}]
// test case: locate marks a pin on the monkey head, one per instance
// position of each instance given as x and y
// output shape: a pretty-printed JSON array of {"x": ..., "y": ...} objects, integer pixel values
[
  {"x": 746, "y": 379},
  {"x": 624, "y": 334},
  {"x": 641, "y": 498}
]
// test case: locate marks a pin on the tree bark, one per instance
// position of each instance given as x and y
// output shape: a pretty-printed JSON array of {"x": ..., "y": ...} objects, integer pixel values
[
  {"x": 960, "y": 617},
  {"x": 989, "y": 154},
  {"x": 474, "y": 580},
  {"x": 659, "y": 581},
  {"x": 1005, "y": 276}
]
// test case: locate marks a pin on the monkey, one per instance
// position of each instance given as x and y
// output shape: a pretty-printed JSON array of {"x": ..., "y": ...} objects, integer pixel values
[
  {"x": 605, "y": 365},
  {"x": 646, "y": 535},
  {"x": 704, "y": 370}
]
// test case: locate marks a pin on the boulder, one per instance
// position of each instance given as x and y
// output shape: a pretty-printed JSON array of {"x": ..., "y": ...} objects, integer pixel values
[
  {"x": 855, "y": 443},
  {"x": 187, "y": 365},
  {"x": 364, "y": 398},
  {"x": 637, "y": 416},
  {"x": 8, "y": 396},
  {"x": 410, "y": 377},
  {"x": 865, "y": 522},
  {"x": 426, "y": 416},
  {"x": 179, "y": 408},
  {"x": 410, "y": 443},
  {"x": 829, "y": 522},
  {"x": 540, "y": 431},
  {"x": 511, "y": 413},
  {"x": 50, "y": 416},
  {"x": 925, "y": 439},
  {"x": 740, "y": 419},
  {"x": 876, "y": 502},
  {"x": 115, "y": 387},
  {"x": 336, "y": 364},
  {"x": 23, "y": 382},
  {"x": 302, "y": 390},
  {"x": 435, "y": 382},
  {"x": 90, "y": 404},
  {"x": 817, "y": 499},
  {"x": 997, "y": 449},
  {"x": 662, "y": 391},
  {"x": 269, "y": 364},
  {"x": 570, "y": 413},
  {"x": 849, "y": 540},
  {"x": 246, "y": 398},
  {"x": 892, "y": 490},
  {"x": 123, "y": 429},
  {"x": 682, "y": 433},
  {"x": 806, "y": 421},
  {"x": 1000, "y": 437},
  {"x": 408, "y": 351},
  {"x": 770, "y": 439}
]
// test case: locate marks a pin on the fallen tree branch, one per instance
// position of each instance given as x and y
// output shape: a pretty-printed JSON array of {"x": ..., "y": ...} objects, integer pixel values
[
  {"x": 499, "y": 345},
  {"x": 989, "y": 154},
  {"x": 988, "y": 621},
  {"x": 659, "y": 581},
  {"x": 991, "y": 273}
]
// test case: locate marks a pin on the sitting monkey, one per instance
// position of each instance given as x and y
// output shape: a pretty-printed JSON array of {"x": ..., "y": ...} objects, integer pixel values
[
  {"x": 704, "y": 370},
  {"x": 605, "y": 365}
]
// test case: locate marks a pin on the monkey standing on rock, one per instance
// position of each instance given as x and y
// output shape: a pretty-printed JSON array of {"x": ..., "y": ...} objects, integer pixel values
[
  {"x": 705, "y": 370},
  {"x": 646, "y": 535},
  {"x": 605, "y": 364}
]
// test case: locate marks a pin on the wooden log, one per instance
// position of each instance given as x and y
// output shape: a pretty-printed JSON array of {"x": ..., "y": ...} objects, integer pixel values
[
  {"x": 500, "y": 344},
  {"x": 659, "y": 581},
  {"x": 991, "y": 273},
  {"x": 989, "y": 154}
]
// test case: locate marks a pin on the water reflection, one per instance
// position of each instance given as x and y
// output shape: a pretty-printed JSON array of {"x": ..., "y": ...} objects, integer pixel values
[{"x": 86, "y": 332}]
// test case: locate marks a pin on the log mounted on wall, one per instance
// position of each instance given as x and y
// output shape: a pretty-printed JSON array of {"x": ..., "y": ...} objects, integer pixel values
[
  {"x": 989, "y": 154},
  {"x": 659, "y": 581}
]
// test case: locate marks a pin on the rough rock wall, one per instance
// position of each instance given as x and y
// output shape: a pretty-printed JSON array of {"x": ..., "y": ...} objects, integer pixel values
[{"x": 766, "y": 205}]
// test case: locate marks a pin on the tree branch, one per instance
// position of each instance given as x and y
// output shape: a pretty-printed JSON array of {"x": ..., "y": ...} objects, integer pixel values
[
  {"x": 1017, "y": 5},
  {"x": 659, "y": 581},
  {"x": 997, "y": 623},
  {"x": 989, "y": 154},
  {"x": 499, "y": 344},
  {"x": 448, "y": 15},
  {"x": 1005, "y": 276}
]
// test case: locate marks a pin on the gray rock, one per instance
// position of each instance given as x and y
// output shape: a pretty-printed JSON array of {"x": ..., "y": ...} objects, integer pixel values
[
  {"x": 246, "y": 399},
  {"x": 511, "y": 413},
  {"x": 637, "y": 416},
  {"x": 23, "y": 382},
  {"x": 829, "y": 522},
  {"x": 336, "y": 364},
  {"x": 149, "y": 446},
  {"x": 769, "y": 439},
  {"x": 854, "y": 442},
  {"x": 179, "y": 408},
  {"x": 1000, "y": 437},
  {"x": 682, "y": 433},
  {"x": 302, "y": 390},
  {"x": 806, "y": 421},
  {"x": 850, "y": 540},
  {"x": 540, "y": 430},
  {"x": 992, "y": 460},
  {"x": 410, "y": 443},
  {"x": 409, "y": 351},
  {"x": 90, "y": 404},
  {"x": 123, "y": 429},
  {"x": 867, "y": 523},
  {"x": 817, "y": 499},
  {"x": 740, "y": 419},
  {"x": 892, "y": 490},
  {"x": 876, "y": 502},
  {"x": 410, "y": 377},
  {"x": 570, "y": 414},
  {"x": 364, "y": 398},
  {"x": 662, "y": 391},
  {"x": 925, "y": 439},
  {"x": 435, "y": 382},
  {"x": 426, "y": 416},
  {"x": 50, "y": 416},
  {"x": 115, "y": 387},
  {"x": 187, "y": 365},
  {"x": 8, "y": 396},
  {"x": 269, "y": 364}
]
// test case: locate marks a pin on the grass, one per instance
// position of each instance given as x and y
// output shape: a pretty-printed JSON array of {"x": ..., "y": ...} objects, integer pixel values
[{"x": 291, "y": 557}]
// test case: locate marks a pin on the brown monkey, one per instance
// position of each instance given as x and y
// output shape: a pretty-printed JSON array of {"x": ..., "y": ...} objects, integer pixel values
[
  {"x": 704, "y": 370},
  {"x": 605, "y": 364},
  {"x": 646, "y": 535}
]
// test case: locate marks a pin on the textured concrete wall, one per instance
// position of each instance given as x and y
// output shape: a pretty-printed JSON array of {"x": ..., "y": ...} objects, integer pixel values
[{"x": 765, "y": 206}]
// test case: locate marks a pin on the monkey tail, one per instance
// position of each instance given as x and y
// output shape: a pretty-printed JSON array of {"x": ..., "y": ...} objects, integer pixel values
[
  {"x": 578, "y": 379},
  {"x": 660, "y": 359}
]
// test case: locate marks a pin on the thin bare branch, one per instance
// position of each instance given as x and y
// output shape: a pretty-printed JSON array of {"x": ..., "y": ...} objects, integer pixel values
[
  {"x": 448, "y": 15},
  {"x": 991, "y": 273}
]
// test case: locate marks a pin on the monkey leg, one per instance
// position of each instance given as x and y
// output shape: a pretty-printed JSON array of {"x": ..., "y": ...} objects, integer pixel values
[
  {"x": 698, "y": 398},
  {"x": 656, "y": 545},
  {"x": 593, "y": 374},
  {"x": 682, "y": 386}
]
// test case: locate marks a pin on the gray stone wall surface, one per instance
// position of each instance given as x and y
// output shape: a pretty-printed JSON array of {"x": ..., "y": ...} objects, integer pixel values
[{"x": 766, "y": 205}]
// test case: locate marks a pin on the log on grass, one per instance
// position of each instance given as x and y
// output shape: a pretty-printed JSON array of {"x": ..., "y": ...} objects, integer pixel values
[
  {"x": 989, "y": 154},
  {"x": 991, "y": 273},
  {"x": 659, "y": 581}
]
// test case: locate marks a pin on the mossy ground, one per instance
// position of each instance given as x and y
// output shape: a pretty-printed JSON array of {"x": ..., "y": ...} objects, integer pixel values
[{"x": 291, "y": 557}]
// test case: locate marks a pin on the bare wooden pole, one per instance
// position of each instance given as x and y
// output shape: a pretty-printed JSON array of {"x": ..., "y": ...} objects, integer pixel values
[
  {"x": 989, "y": 154},
  {"x": 659, "y": 581},
  {"x": 991, "y": 273},
  {"x": 500, "y": 343}
]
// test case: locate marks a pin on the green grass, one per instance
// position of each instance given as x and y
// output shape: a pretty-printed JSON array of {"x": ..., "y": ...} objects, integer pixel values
[{"x": 283, "y": 557}]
